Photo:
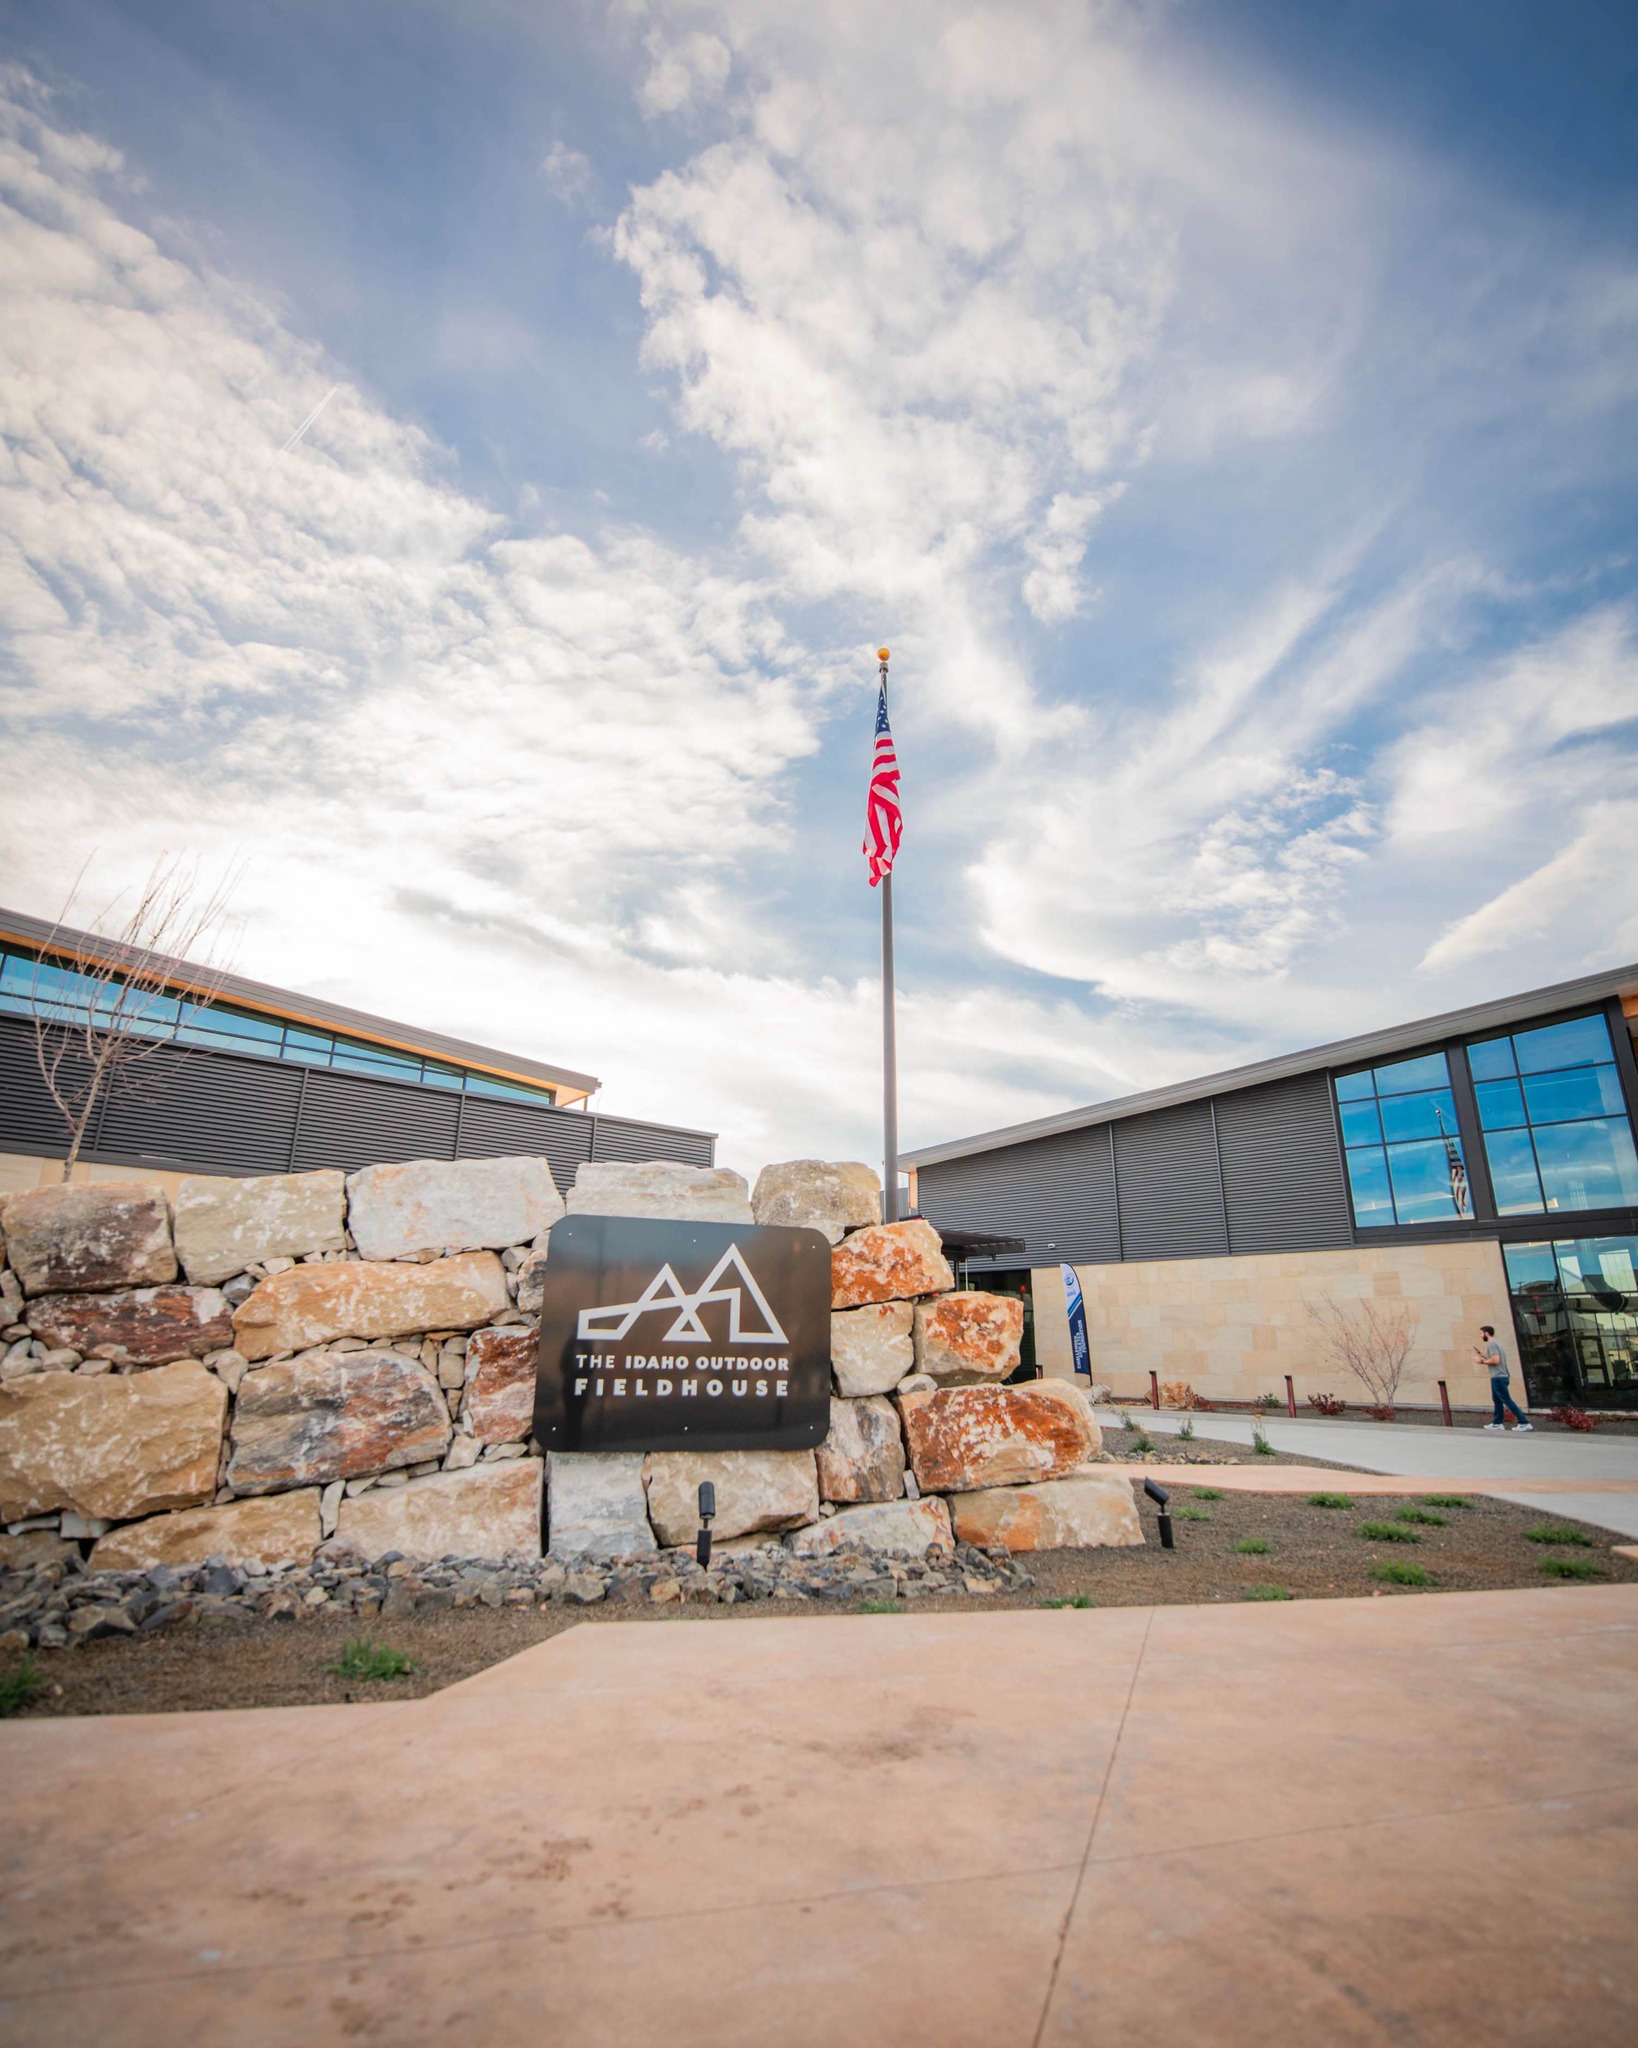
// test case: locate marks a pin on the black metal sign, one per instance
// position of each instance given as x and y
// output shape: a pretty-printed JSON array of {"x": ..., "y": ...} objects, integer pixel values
[{"x": 683, "y": 1337}]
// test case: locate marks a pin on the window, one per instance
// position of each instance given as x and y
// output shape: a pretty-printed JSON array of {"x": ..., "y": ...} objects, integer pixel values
[
  {"x": 1555, "y": 1123},
  {"x": 1402, "y": 1144},
  {"x": 30, "y": 987},
  {"x": 1575, "y": 1307}
]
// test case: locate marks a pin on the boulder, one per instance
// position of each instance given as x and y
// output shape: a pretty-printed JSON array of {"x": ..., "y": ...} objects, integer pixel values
[
  {"x": 450, "y": 1205},
  {"x": 1081, "y": 1513},
  {"x": 870, "y": 1348},
  {"x": 755, "y": 1490},
  {"x": 888, "y": 1262},
  {"x": 135, "y": 1326},
  {"x": 818, "y": 1194},
  {"x": 532, "y": 1282},
  {"x": 222, "y": 1225},
  {"x": 488, "y": 1511},
  {"x": 968, "y": 1340},
  {"x": 862, "y": 1457},
  {"x": 498, "y": 1404},
  {"x": 334, "y": 1415},
  {"x": 965, "y": 1438},
  {"x": 311, "y": 1304},
  {"x": 660, "y": 1188},
  {"x": 596, "y": 1507},
  {"x": 901, "y": 1528},
  {"x": 115, "y": 1446},
  {"x": 33, "y": 1547},
  {"x": 90, "y": 1235},
  {"x": 283, "y": 1529}
]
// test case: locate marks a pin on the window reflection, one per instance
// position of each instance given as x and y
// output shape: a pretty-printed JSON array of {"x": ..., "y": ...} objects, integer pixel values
[
  {"x": 1575, "y": 1307},
  {"x": 1402, "y": 1143},
  {"x": 1556, "y": 1131}
]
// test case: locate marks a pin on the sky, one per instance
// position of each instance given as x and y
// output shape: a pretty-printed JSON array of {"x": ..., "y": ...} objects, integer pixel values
[{"x": 459, "y": 462}]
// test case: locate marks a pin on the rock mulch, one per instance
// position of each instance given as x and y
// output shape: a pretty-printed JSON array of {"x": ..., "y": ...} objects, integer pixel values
[{"x": 58, "y": 1604}]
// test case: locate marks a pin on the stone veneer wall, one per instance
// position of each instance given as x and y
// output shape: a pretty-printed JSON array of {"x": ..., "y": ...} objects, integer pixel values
[
  {"x": 1233, "y": 1327},
  {"x": 267, "y": 1365}
]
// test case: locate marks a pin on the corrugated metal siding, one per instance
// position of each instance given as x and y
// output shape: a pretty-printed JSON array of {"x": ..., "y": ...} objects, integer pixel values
[
  {"x": 349, "y": 1121},
  {"x": 1058, "y": 1194},
  {"x": 212, "y": 1112},
  {"x": 195, "y": 1110},
  {"x": 1171, "y": 1199},
  {"x": 500, "y": 1130},
  {"x": 615, "y": 1138},
  {"x": 1282, "y": 1172}
]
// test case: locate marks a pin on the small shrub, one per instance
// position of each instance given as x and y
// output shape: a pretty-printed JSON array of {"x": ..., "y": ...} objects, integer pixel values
[
  {"x": 1387, "y": 1532},
  {"x": 1327, "y": 1404},
  {"x": 1126, "y": 1421},
  {"x": 1190, "y": 1515},
  {"x": 1422, "y": 1515},
  {"x": 1075, "y": 1600},
  {"x": 1261, "y": 1447},
  {"x": 1398, "y": 1574},
  {"x": 872, "y": 1606},
  {"x": 1330, "y": 1500},
  {"x": 1573, "y": 1418},
  {"x": 1267, "y": 1593},
  {"x": 1204, "y": 1406},
  {"x": 363, "y": 1659},
  {"x": 1206, "y": 1492},
  {"x": 18, "y": 1686},
  {"x": 1143, "y": 1443},
  {"x": 1185, "y": 1435},
  {"x": 1380, "y": 1413},
  {"x": 1268, "y": 1404},
  {"x": 1573, "y": 1568},
  {"x": 1559, "y": 1532},
  {"x": 1253, "y": 1546},
  {"x": 1447, "y": 1500}
]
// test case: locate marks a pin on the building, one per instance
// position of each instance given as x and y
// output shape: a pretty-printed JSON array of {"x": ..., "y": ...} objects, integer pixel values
[
  {"x": 1479, "y": 1166},
  {"x": 263, "y": 1080}
]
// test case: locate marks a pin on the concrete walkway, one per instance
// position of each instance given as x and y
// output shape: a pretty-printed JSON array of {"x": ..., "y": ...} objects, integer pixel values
[
  {"x": 1361, "y": 1823},
  {"x": 1443, "y": 1458}
]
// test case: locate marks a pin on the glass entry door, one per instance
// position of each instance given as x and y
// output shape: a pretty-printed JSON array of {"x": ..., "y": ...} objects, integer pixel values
[{"x": 1575, "y": 1308}]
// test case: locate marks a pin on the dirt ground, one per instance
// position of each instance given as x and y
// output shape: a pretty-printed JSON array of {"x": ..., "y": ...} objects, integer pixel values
[{"x": 1315, "y": 1554}]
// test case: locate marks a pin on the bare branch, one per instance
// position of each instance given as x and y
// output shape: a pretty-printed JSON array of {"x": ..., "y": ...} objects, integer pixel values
[
  {"x": 104, "y": 1002},
  {"x": 1368, "y": 1340}
]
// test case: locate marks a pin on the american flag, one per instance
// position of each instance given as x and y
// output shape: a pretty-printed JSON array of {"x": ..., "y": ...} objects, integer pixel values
[
  {"x": 884, "y": 822},
  {"x": 1458, "y": 1169}
]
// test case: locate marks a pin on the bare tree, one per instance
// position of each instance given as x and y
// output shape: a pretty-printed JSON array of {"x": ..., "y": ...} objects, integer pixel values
[
  {"x": 104, "y": 1004},
  {"x": 1368, "y": 1340}
]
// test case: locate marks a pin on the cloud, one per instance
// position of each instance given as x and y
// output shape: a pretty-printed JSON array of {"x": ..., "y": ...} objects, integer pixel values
[{"x": 568, "y": 173}]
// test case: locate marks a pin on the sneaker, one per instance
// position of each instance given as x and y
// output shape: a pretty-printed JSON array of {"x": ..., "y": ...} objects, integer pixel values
[
  {"x": 1493, "y": 1425},
  {"x": 1525, "y": 1429}
]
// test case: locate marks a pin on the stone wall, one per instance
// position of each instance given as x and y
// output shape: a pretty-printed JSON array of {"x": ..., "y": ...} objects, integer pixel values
[
  {"x": 255, "y": 1368},
  {"x": 1234, "y": 1327}
]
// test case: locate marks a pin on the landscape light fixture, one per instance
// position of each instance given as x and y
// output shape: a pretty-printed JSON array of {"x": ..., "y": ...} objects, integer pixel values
[
  {"x": 708, "y": 1509},
  {"x": 1161, "y": 1497}
]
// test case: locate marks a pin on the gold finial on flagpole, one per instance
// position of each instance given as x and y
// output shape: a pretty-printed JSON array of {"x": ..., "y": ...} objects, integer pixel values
[{"x": 881, "y": 656}]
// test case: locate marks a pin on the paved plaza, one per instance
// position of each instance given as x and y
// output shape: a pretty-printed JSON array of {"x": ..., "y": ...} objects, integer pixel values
[
  {"x": 1401, "y": 1820},
  {"x": 1593, "y": 1478}
]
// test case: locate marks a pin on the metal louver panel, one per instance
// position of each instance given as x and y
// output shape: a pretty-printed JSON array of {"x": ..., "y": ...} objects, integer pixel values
[
  {"x": 29, "y": 1121},
  {"x": 1057, "y": 1194},
  {"x": 348, "y": 1121},
  {"x": 1171, "y": 1198},
  {"x": 616, "y": 1138},
  {"x": 500, "y": 1130},
  {"x": 1282, "y": 1173},
  {"x": 203, "y": 1112}
]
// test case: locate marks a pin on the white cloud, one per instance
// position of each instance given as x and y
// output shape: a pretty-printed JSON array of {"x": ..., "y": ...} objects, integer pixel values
[{"x": 568, "y": 173}]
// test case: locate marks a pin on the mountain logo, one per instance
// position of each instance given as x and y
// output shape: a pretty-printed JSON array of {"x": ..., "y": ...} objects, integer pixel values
[{"x": 613, "y": 1321}]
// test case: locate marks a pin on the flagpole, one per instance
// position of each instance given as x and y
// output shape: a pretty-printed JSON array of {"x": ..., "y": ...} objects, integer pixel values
[{"x": 890, "y": 1056}]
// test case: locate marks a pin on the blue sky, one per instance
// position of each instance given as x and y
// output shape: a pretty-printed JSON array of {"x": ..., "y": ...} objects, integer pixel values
[{"x": 1229, "y": 414}]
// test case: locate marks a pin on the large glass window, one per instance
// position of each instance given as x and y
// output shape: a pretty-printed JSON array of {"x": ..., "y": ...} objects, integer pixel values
[
  {"x": 1402, "y": 1144},
  {"x": 1556, "y": 1130},
  {"x": 1575, "y": 1308},
  {"x": 30, "y": 987}
]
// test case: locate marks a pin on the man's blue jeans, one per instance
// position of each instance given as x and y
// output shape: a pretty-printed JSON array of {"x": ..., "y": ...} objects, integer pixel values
[{"x": 1501, "y": 1398}]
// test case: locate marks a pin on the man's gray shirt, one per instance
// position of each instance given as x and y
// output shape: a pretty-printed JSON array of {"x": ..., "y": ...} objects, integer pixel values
[{"x": 1494, "y": 1356}]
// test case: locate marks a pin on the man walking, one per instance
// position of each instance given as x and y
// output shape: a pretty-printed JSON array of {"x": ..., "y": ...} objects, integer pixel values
[{"x": 1489, "y": 1353}]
